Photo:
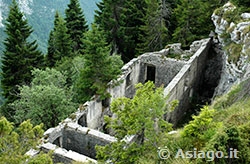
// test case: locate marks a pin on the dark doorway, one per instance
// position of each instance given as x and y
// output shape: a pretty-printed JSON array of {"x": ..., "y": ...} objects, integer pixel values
[{"x": 150, "y": 73}]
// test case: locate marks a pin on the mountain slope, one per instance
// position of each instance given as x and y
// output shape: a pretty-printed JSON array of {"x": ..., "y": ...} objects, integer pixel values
[{"x": 40, "y": 15}]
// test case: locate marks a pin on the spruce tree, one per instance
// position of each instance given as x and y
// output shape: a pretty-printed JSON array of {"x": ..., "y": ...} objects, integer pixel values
[
  {"x": 62, "y": 39},
  {"x": 77, "y": 26},
  {"x": 154, "y": 31},
  {"x": 193, "y": 20},
  {"x": 20, "y": 55},
  {"x": 120, "y": 21},
  {"x": 131, "y": 21},
  {"x": 51, "y": 58},
  {"x": 99, "y": 67},
  {"x": 19, "y": 58},
  {"x": 59, "y": 45}
]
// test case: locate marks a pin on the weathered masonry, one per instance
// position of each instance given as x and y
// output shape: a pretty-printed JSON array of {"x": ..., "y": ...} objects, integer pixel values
[{"x": 75, "y": 138}]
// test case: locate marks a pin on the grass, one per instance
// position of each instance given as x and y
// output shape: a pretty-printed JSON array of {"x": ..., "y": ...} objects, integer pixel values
[
  {"x": 234, "y": 107},
  {"x": 234, "y": 51}
]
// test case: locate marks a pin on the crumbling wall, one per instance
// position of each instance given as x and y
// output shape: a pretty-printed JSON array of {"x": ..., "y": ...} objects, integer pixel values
[
  {"x": 70, "y": 141},
  {"x": 83, "y": 140},
  {"x": 163, "y": 70},
  {"x": 61, "y": 155},
  {"x": 134, "y": 72},
  {"x": 187, "y": 82}
]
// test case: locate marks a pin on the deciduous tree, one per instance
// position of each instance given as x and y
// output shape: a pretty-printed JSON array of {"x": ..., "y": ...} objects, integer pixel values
[{"x": 47, "y": 100}]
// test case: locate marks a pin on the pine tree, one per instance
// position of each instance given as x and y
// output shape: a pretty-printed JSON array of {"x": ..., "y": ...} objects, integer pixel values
[
  {"x": 20, "y": 55},
  {"x": 62, "y": 39},
  {"x": 131, "y": 22},
  {"x": 59, "y": 44},
  {"x": 193, "y": 20},
  {"x": 77, "y": 25},
  {"x": 108, "y": 17},
  {"x": 99, "y": 68},
  {"x": 120, "y": 21},
  {"x": 51, "y": 58},
  {"x": 154, "y": 31}
]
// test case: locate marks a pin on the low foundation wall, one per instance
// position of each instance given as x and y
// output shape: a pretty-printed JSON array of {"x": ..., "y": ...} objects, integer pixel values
[
  {"x": 71, "y": 141},
  {"x": 83, "y": 140},
  {"x": 61, "y": 155}
]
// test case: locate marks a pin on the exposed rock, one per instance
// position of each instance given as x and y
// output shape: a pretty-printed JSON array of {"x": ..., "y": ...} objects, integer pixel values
[
  {"x": 235, "y": 38},
  {"x": 25, "y": 6},
  {"x": 245, "y": 15}
]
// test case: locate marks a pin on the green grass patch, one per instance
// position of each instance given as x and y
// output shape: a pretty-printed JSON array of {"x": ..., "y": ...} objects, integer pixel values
[{"x": 234, "y": 51}]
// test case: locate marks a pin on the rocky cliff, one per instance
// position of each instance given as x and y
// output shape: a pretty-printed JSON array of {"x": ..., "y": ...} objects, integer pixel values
[{"x": 233, "y": 33}]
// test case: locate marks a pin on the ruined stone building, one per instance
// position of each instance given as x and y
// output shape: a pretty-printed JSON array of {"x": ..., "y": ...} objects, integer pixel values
[{"x": 74, "y": 139}]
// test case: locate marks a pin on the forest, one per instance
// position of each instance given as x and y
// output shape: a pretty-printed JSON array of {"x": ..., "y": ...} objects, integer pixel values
[{"x": 40, "y": 90}]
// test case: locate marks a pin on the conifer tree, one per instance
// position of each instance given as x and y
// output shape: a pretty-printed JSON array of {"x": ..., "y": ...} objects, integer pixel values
[
  {"x": 77, "y": 25},
  {"x": 62, "y": 39},
  {"x": 193, "y": 20},
  {"x": 154, "y": 31},
  {"x": 120, "y": 21},
  {"x": 20, "y": 55},
  {"x": 99, "y": 67},
  {"x": 51, "y": 58},
  {"x": 59, "y": 42}
]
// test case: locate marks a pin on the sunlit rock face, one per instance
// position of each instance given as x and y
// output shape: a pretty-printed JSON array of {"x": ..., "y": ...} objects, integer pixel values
[
  {"x": 24, "y": 6},
  {"x": 3, "y": 9},
  {"x": 234, "y": 37}
]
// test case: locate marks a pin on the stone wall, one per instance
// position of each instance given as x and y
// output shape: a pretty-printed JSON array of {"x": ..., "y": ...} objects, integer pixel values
[
  {"x": 83, "y": 140},
  {"x": 61, "y": 155},
  {"x": 71, "y": 142},
  {"x": 136, "y": 71},
  {"x": 187, "y": 82}
]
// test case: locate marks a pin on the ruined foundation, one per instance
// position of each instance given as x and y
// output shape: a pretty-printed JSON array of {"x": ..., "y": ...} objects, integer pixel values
[{"x": 75, "y": 138}]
